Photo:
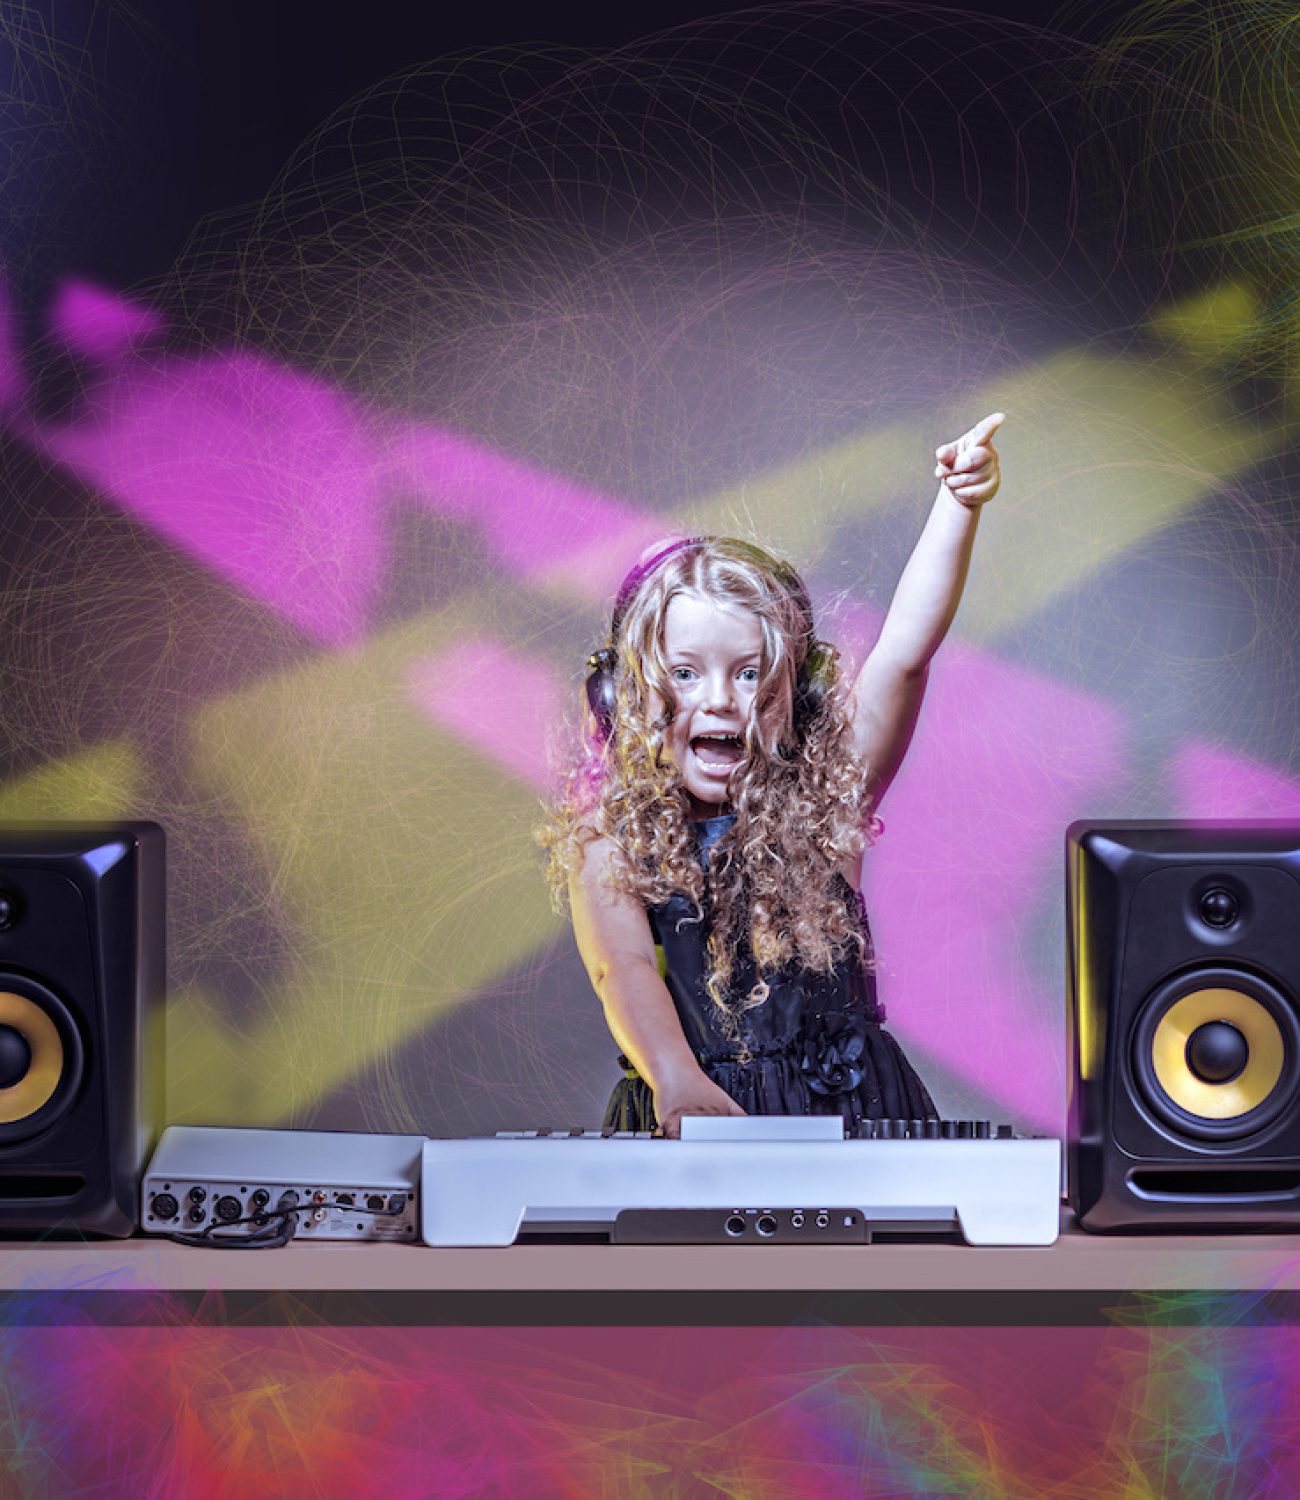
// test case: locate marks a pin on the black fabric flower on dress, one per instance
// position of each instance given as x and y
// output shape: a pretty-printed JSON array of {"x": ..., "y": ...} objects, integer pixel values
[{"x": 831, "y": 1055}]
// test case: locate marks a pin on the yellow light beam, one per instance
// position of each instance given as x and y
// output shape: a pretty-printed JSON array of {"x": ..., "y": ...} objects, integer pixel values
[
  {"x": 398, "y": 860},
  {"x": 1212, "y": 324},
  {"x": 1106, "y": 453},
  {"x": 107, "y": 781},
  {"x": 1099, "y": 453}
]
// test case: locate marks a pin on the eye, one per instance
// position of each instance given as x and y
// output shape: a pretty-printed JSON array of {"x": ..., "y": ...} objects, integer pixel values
[
  {"x": 749, "y": 675},
  {"x": 682, "y": 674}
]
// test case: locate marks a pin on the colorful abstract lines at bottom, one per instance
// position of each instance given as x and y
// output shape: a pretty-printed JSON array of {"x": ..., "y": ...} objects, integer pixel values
[{"x": 748, "y": 1412}]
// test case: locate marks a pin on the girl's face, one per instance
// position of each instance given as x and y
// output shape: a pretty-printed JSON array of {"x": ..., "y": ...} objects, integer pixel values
[{"x": 714, "y": 657}]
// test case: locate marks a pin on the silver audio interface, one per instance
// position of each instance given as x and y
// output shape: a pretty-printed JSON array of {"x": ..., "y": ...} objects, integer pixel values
[{"x": 224, "y": 1184}]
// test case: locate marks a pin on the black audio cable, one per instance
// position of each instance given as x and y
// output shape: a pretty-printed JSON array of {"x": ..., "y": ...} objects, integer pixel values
[
  {"x": 272, "y": 1235},
  {"x": 279, "y": 1226}
]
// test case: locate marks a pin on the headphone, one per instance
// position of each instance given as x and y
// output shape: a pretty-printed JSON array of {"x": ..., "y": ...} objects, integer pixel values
[{"x": 815, "y": 676}]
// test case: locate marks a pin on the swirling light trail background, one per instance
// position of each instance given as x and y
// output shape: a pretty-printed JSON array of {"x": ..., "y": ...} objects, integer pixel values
[
  {"x": 369, "y": 463},
  {"x": 307, "y": 538}
]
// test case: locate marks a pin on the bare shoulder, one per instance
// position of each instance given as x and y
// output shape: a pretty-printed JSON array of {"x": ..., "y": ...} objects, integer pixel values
[
  {"x": 607, "y": 922},
  {"x": 597, "y": 857}
]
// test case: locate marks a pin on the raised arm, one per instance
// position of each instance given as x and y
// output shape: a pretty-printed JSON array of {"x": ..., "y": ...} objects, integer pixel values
[
  {"x": 617, "y": 947},
  {"x": 887, "y": 695}
]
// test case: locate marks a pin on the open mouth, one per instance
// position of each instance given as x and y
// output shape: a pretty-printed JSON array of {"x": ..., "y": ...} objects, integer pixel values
[{"x": 718, "y": 751}]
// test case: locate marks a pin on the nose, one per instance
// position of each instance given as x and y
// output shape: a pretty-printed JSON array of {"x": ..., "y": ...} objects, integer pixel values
[{"x": 719, "y": 691}]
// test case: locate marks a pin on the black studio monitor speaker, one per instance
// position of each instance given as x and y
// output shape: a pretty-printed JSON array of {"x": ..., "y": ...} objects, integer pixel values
[
  {"x": 81, "y": 995},
  {"x": 1184, "y": 1025}
]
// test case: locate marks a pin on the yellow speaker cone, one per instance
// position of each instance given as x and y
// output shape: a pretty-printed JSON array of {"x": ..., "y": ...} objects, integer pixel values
[
  {"x": 36, "y": 1087},
  {"x": 1266, "y": 1053}
]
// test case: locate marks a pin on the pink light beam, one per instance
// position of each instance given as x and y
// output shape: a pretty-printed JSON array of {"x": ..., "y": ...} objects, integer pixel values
[
  {"x": 98, "y": 324},
  {"x": 1003, "y": 761},
  {"x": 501, "y": 704},
  {"x": 1210, "y": 782}
]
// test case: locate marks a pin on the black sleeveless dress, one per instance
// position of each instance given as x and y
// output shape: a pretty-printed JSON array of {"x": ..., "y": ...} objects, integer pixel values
[{"x": 816, "y": 1045}]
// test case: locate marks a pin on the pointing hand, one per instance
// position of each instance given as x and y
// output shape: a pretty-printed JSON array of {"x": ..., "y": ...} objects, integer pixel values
[{"x": 969, "y": 467}]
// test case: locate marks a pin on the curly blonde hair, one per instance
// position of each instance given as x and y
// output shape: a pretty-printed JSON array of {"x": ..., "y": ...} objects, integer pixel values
[{"x": 799, "y": 795}]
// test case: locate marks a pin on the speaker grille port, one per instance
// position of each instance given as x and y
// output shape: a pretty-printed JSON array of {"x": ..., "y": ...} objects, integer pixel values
[{"x": 1233, "y": 1184}]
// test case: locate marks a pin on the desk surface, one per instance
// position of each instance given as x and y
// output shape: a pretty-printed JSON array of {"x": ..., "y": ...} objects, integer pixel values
[{"x": 1077, "y": 1262}]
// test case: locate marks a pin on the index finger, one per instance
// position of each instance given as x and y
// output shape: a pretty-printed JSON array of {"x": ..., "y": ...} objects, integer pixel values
[{"x": 983, "y": 431}]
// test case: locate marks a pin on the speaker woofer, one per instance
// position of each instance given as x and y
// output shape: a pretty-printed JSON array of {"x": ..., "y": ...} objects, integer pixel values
[
  {"x": 1216, "y": 1052},
  {"x": 42, "y": 1056}
]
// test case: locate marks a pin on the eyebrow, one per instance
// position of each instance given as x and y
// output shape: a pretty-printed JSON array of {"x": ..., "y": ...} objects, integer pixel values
[{"x": 746, "y": 658}]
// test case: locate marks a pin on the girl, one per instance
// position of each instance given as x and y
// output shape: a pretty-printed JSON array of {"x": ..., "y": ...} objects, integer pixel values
[{"x": 711, "y": 841}]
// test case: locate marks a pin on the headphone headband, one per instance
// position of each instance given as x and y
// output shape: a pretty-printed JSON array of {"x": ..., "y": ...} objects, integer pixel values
[{"x": 642, "y": 570}]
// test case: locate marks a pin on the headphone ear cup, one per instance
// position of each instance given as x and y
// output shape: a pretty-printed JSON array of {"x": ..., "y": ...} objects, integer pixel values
[
  {"x": 602, "y": 698},
  {"x": 815, "y": 681}
]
